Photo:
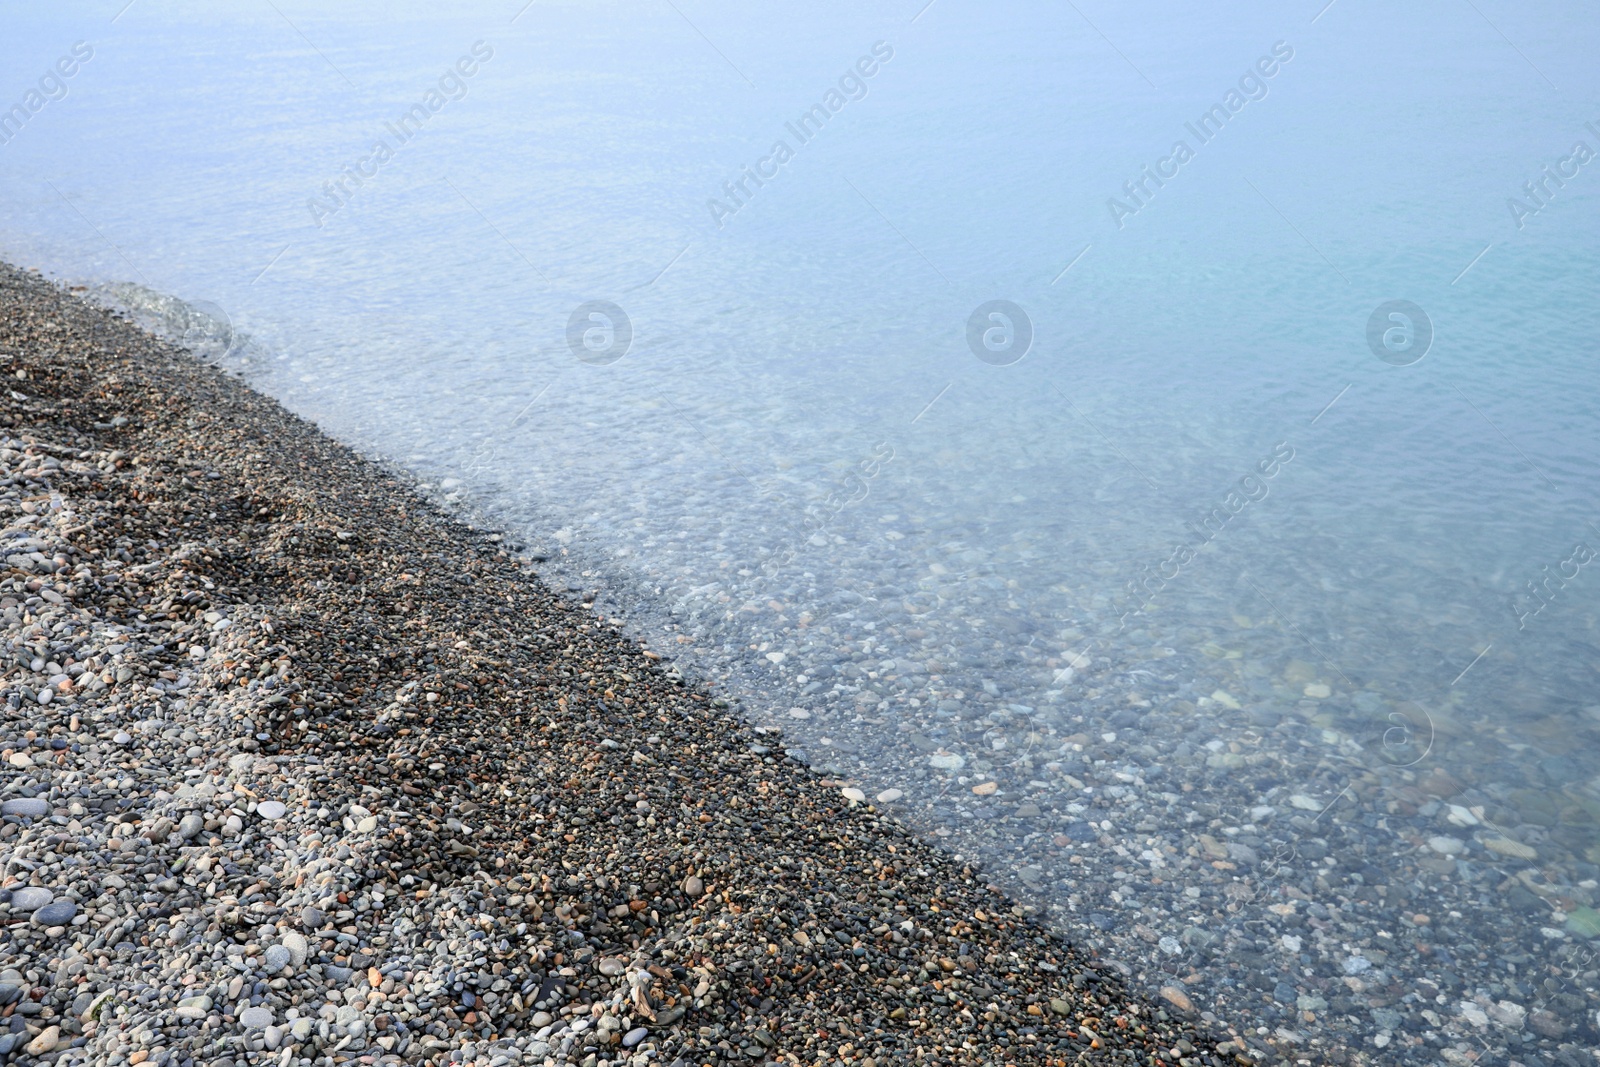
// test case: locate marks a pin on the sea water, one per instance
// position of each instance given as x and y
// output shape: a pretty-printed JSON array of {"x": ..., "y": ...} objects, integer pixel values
[{"x": 1152, "y": 448}]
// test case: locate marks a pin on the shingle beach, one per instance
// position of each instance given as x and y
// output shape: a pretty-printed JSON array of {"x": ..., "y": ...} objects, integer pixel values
[{"x": 296, "y": 769}]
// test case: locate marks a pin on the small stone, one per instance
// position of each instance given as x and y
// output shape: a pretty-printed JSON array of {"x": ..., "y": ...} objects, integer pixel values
[
  {"x": 1060, "y": 1007},
  {"x": 122, "y": 737},
  {"x": 367, "y": 825},
  {"x": 1177, "y": 998},
  {"x": 30, "y": 898},
  {"x": 276, "y": 958},
  {"x": 299, "y": 948},
  {"x": 1447, "y": 846},
  {"x": 1318, "y": 691},
  {"x": 1585, "y": 922},
  {"x": 852, "y": 794},
  {"x": 272, "y": 810},
  {"x": 610, "y": 966},
  {"x": 693, "y": 887},
  {"x": 190, "y": 826},
  {"x": 634, "y": 1036},
  {"x": 986, "y": 789},
  {"x": 256, "y": 1018},
  {"x": 1547, "y": 1024},
  {"x": 58, "y": 913},
  {"x": 30, "y": 807},
  {"x": 312, "y": 918},
  {"x": 1504, "y": 846},
  {"x": 45, "y": 1042},
  {"x": 889, "y": 796}
]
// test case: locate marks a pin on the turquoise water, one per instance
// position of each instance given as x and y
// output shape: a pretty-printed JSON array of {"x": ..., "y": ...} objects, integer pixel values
[{"x": 799, "y": 454}]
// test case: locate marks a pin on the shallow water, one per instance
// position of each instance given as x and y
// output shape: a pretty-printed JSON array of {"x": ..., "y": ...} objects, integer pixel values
[{"x": 1244, "y": 779}]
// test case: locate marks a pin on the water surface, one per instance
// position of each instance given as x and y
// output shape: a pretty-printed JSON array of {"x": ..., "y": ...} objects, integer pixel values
[{"x": 1206, "y": 623}]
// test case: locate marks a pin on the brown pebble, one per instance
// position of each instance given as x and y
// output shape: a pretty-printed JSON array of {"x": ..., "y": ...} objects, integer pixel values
[{"x": 1177, "y": 998}]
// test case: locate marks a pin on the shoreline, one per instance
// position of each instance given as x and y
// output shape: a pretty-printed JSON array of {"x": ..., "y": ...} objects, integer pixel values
[{"x": 340, "y": 755}]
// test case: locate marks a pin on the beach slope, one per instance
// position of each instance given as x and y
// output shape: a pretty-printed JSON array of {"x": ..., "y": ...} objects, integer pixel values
[{"x": 296, "y": 769}]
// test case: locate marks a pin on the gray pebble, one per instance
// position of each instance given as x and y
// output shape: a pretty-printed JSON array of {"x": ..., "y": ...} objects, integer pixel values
[
  {"x": 298, "y": 947},
  {"x": 59, "y": 913},
  {"x": 32, "y": 807},
  {"x": 634, "y": 1036},
  {"x": 30, "y": 898},
  {"x": 275, "y": 958},
  {"x": 255, "y": 1018}
]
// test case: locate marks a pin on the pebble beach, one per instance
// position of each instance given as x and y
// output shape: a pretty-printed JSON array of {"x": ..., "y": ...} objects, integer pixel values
[{"x": 295, "y": 768}]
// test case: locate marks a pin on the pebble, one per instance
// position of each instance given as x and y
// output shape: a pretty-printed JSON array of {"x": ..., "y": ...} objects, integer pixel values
[
  {"x": 852, "y": 794},
  {"x": 1447, "y": 846},
  {"x": 275, "y": 958},
  {"x": 633, "y": 1037},
  {"x": 58, "y": 913},
  {"x": 31, "y": 807},
  {"x": 889, "y": 796},
  {"x": 693, "y": 887},
  {"x": 272, "y": 810},
  {"x": 297, "y": 945},
  {"x": 47, "y": 1040},
  {"x": 256, "y": 1018},
  {"x": 1177, "y": 998},
  {"x": 30, "y": 899},
  {"x": 1506, "y": 847}
]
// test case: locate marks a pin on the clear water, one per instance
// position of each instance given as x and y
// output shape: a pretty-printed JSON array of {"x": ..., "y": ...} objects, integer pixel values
[{"x": 1247, "y": 781}]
